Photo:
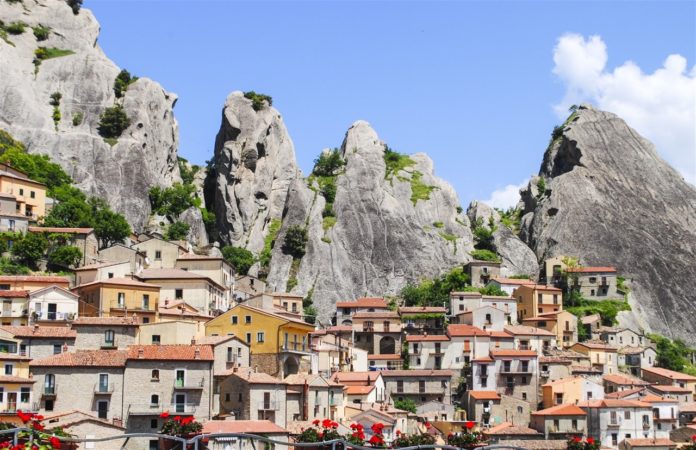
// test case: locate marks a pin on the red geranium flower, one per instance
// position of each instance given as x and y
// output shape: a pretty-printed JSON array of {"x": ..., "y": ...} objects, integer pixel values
[
  {"x": 590, "y": 440},
  {"x": 326, "y": 423},
  {"x": 55, "y": 442},
  {"x": 315, "y": 422},
  {"x": 469, "y": 425},
  {"x": 693, "y": 438},
  {"x": 164, "y": 415},
  {"x": 577, "y": 439}
]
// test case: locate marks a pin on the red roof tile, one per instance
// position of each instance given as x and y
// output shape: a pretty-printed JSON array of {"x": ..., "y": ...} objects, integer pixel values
[
  {"x": 358, "y": 390},
  {"x": 35, "y": 279},
  {"x": 376, "y": 315},
  {"x": 384, "y": 357},
  {"x": 364, "y": 302},
  {"x": 16, "y": 380},
  {"x": 80, "y": 358},
  {"x": 40, "y": 331},
  {"x": 14, "y": 294},
  {"x": 597, "y": 269},
  {"x": 422, "y": 310},
  {"x": 671, "y": 374},
  {"x": 465, "y": 330},
  {"x": 561, "y": 410},
  {"x": 171, "y": 352},
  {"x": 416, "y": 373},
  {"x": 512, "y": 353},
  {"x": 243, "y": 426},
  {"x": 515, "y": 281},
  {"x": 484, "y": 395},
  {"x": 120, "y": 281},
  {"x": 111, "y": 321},
  {"x": 650, "y": 442}
]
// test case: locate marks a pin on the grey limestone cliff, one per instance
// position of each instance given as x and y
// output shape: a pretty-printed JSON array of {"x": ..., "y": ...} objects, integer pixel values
[
  {"x": 611, "y": 200},
  {"x": 145, "y": 154}
]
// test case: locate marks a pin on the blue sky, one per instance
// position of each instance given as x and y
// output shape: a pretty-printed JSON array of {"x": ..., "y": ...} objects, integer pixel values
[{"x": 470, "y": 83}]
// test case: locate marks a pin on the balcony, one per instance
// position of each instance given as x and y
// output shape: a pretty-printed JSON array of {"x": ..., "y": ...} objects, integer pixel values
[
  {"x": 51, "y": 316},
  {"x": 544, "y": 374},
  {"x": 183, "y": 385},
  {"x": 108, "y": 345},
  {"x": 647, "y": 425},
  {"x": 155, "y": 409},
  {"x": 268, "y": 406},
  {"x": 614, "y": 424},
  {"x": 294, "y": 347},
  {"x": 49, "y": 391},
  {"x": 104, "y": 389},
  {"x": 516, "y": 370},
  {"x": 576, "y": 431},
  {"x": 368, "y": 329},
  {"x": 12, "y": 408}
]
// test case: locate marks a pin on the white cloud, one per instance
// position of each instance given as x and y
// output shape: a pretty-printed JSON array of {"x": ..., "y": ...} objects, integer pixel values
[
  {"x": 660, "y": 105},
  {"x": 507, "y": 196}
]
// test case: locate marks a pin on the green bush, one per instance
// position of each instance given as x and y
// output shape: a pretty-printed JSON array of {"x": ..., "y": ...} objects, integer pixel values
[
  {"x": 43, "y": 53},
  {"x": 37, "y": 167},
  {"x": 56, "y": 116},
  {"x": 493, "y": 289},
  {"x": 122, "y": 81},
  {"x": 395, "y": 162},
  {"x": 484, "y": 234},
  {"x": 75, "y": 5},
  {"x": 438, "y": 225},
  {"x": 187, "y": 174},
  {"x": 557, "y": 132},
  {"x": 258, "y": 101},
  {"x": 406, "y": 404},
  {"x": 607, "y": 309},
  {"x": 30, "y": 248},
  {"x": 269, "y": 242},
  {"x": 9, "y": 267},
  {"x": 511, "y": 218},
  {"x": 172, "y": 201},
  {"x": 541, "y": 186},
  {"x": 16, "y": 28},
  {"x": 55, "y": 99},
  {"x": 41, "y": 32},
  {"x": 295, "y": 241},
  {"x": 435, "y": 292},
  {"x": 109, "y": 226},
  {"x": 177, "y": 231},
  {"x": 672, "y": 355},
  {"x": 240, "y": 258},
  {"x": 112, "y": 122},
  {"x": 77, "y": 118},
  {"x": 485, "y": 255},
  {"x": 328, "y": 163},
  {"x": 65, "y": 256}
]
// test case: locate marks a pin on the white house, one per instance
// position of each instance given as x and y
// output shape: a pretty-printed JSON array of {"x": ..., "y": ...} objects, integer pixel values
[
  {"x": 486, "y": 317},
  {"x": 509, "y": 284},
  {"x": 53, "y": 303},
  {"x": 610, "y": 421},
  {"x": 199, "y": 291},
  {"x": 102, "y": 272}
]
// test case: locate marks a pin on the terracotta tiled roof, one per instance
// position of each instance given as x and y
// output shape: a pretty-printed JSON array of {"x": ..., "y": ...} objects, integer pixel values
[
  {"x": 624, "y": 380},
  {"x": 339, "y": 328},
  {"x": 525, "y": 330},
  {"x": 174, "y": 274},
  {"x": 688, "y": 407},
  {"x": 671, "y": 374},
  {"x": 60, "y": 230},
  {"x": 554, "y": 360},
  {"x": 180, "y": 308},
  {"x": 110, "y": 321},
  {"x": 243, "y": 426},
  {"x": 512, "y": 353},
  {"x": 596, "y": 269},
  {"x": 650, "y": 442},
  {"x": 417, "y": 373},
  {"x": 484, "y": 395},
  {"x": 355, "y": 377},
  {"x": 384, "y": 357},
  {"x": 598, "y": 345},
  {"x": 669, "y": 389},
  {"x": 591, "y": 319},
  {"x": 84, "y": 358},
  {"x": 358, "y": 390},
  {"x": 540, "y": 287},
  {"x": 561, "y": 410},
  {"x": 171, "y": 352},
  {"x": 625, "y": 393},
  {"x": 422, "y": 310},
  {"x": 194, "y": 257},
  {"x": 500, "y": 335},
  {"x": 376, "y": 315},
  {"x": 631, "y": 350},
  {"x": 14, "y": 294},
  {"x": 364, "y": 302},
  {"x": 40, "y": 331},
  {"x": 584, "y": 369},
  {"x": 655, "y": 399},
  {"x": 614, "y": 403},
  {"x": 465, "y": 330},
  {"x": 120, "y": 281},
  {"x": 34, "y": 279},
  {"x": 427, "y": 338},
  {"x": 506, "y": 429},
  {"x": 301, "y": 378},
  {"x": 483, "y": 359},
  {"x": 537, "y": 444},
  {"x": 99, "y": 265},
  {"x": 16, "y": 380},
  {"x": 565, "y": 380},
  {"x": 252, "y": 377},
  {"x": 515, "y": 281}
]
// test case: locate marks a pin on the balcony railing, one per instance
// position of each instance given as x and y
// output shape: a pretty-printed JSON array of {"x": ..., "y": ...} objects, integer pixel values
[
  {"x": 571, "y": 430},
  {"x": 614, "y": 423},
  {"x": 544, "y": 373},
  {"x": 12, "y": 408},
  {"x": 49, "y": 391},
  {"x": 185, "y": 384},
  {"x": 108, "y": 344},
  {"x": 104, "y": 388},
  {"x": 294, "y": 347},
  {"x": 148, "y": 409},
  {"x": 268, "y": 406}
]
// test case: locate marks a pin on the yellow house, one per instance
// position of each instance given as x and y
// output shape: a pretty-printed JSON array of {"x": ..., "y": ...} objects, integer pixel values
[
  {"x": 30, "y": 194},
  {"x": 570, "y": 390},
  {"x": 32, "y": 283},
  {"x": 119, "y": 297},
  {"x": 535, "y": 299},
  {"x": 278, "y": 345},
  {"x": 16, "y": 383},
  {"x": 602, "y": 355},
  {"x": 561, "y": 323}
]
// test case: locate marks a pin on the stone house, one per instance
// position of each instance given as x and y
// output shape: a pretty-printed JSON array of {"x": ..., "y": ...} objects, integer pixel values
[
  {"x": 681, "y": 394},
  {"x": 602, "y": 355},
  {"x": 571, "y": 390},
  {"x": 553, "y": 270},
  {"x": 436, "y": 411},
  {"x": 313, "y": 397},
  {"x": 121, "y": 252},
  {"x": 214, "y": 267},
  {"x": 421, "y": 386},
  {"x": 173, "y": 378},
  {"x": 38, "y": 341},
  {"x": 102, "y": 271},
  {"x": 560, "y": 422},
  {"x": 594, "y": 283},
  {"x": 87, "y": 380},
  {"x": 485, "y": 317},
  {"x": 82, "y": 238},
  {"x": 461, "y": 302},
  {"x": 180, "y": 310},
  {"x": 490, "y": 408},
  {"x": 621, "y": 337},
  {"x": 533, "y": 300},
  {"x": 668, "y": 377},
  {"x": 647, "y": 444},
  {"x": 362, "y": 387},
  {"x": 83, "y": 425},
  {"x": 170, "y": 332},
  {"x": 515, "y": 373},
  {"x": 119, "y": 297},
  {"x": 14, "y": 307},
  {"x": 197, "y": 290},
  {"x": 481, "y": 272},
  {"x": 429, "y": 351},
  {"x": 29, "y": 195},
  {"x": 265, "y": 428},
  {"x": 621, "y": 382},
  {"x": 32, "y": 283},
  {"x": 611, "y": 421},
  {"x": 345, "y": 310},
  {"x": 665, "y": 415},
  {"x": 531, "y": 338},
  {"x": 247, "y": 286},
  {"x": 552, "y": 368},
  {"x": 105, "y": 333},
  {"x": 253, "y": 395},
  {"x": 377, "y": 332},
  {"x": 636, "y": 358},
  {"x": 10, "y": 219},
  {"x": 160, "y": 254},
  {"x": 420, "y": 319}
]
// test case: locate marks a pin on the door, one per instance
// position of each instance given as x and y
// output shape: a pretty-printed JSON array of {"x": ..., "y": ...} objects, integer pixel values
[
  {"x": 180, "y": 403},
  {"x": 102, "y": 409},
  {"x": 52, "y": 309},
  {"x": 11, "y": 401}
]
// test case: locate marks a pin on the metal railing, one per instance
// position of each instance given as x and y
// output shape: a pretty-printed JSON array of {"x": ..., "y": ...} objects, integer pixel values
[
  {"x": 200, "y": 442},
  {"x": 181, "y": 384},
  {"x": 100, "y": 388},
  {"x": 148, "y": 409}
]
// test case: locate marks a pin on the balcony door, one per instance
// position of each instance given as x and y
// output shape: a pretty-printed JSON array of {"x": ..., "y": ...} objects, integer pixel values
[
  {"x": 180, "y": 403},
  {"x": 52, "y": 310},
  {"x": 103, "y": 382},
  {"x": 180, "y": 376},
  {"x": 11, "y": 401}
]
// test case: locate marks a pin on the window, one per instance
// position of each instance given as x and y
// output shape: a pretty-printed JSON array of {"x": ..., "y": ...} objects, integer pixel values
[
  {"x": 155, "y": 375},
  {"x": 614, "y": 439},
  {"x": 154, "y": 400},
  {"x": 32, "y": 194},
  {"x": 178, "y": 294},
  {"x": 555, "y": 299},
  {"x": 524, "y": 396},
  {"x": 574, "y": 424},
  {"x": 400, "y": 386},
  {"x": 154, "y": 423},
  {"x": 421, "y": 386},
  {"x": 461, "y": 307},
  {"x": 247, "y": 319},
  {"x": 103, "y": 382},
  {"x": 248, "y": 338},
  {"x": 556, "y": 424},
  {"x": 146, "y": 301},
  {"x": 8, "y": 369},
  {"x": 612, "y": 418},
  {"x": 227, "y": 397},
  {"x": 540, "y": 299},
  {"x": 57, "y": 349},
  {"x": 146, "y": 320},
  {"x": 180, "y": 380},
  {"x": 488, "y": 319},
  {"x": 593, "y": 280},
  {"x": 259, "y": 337},
  {"x": 109, "y": 337},
  {"x": 235, "y": 320},
  {"x": 121, "y": 300},
  {"x": 154, "y": 444},
  {"x": 443, "y": 384},
  {"x": 102, "y": 409},
  {"x": 2, "y": 394},
  {"x": 158, "y": 255},
  {"x": 48, "y": 404},
  {"x": 21, "y": 191},
  {"x": 240, "y": 397},
  {"x": 559, "y": 398},
  {"x": 156, "y": 339},
  {"x": 627, "y": 415}
]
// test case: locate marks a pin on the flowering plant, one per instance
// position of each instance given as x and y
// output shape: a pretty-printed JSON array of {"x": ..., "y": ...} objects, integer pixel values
[
  {"x": 36, "y": 437},
  {"x": 403, "y": 440},
  {"x": 468, "y": 438},
  {"x": 578, "y": 443},
  {"x": 691, "y": 445},
  {"x": 357, "y": 437},
  {"x": 377, "y": 439},
  {"x": 178, "y": 426},
  {"x": 320, "y": 431}
]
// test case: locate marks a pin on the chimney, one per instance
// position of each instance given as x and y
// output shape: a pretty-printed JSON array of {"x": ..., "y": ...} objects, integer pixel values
[
  {"x": 193, "y": 341},
  {"x": 36, "y": 327},
  {"x": 141, "y": 353}
]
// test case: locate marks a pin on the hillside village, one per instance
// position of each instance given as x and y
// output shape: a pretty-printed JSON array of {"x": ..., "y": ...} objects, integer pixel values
[{"x": 140, "y": 330}]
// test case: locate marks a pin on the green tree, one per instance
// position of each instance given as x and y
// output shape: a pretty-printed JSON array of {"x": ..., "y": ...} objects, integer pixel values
[
  {"x": 65, "y": 256},
  {"x": 328, "y": 190},
  {"x": 9, "y": 267},
  {"x": 406, "y": 404},
  {"x": 37, "y": 167},
  {"x": 258, "y": 101},
  {"x": 484, "y": 235},
  {"x": 493, "y": 289},
  {"x": 112, "y": 122},
  {"x": 328, "y": 163},
  {"x": 73, "y": 212},
  {"x": 177, "y": 231},
  {"x": 295, "y": 241},
  {"x": 30, "y": 249},
  {"x": 435, "y": 292},
  {"x": 485, "y": 255},
  {"x": 241, "y": 258},
  {"x": 122, "y": 81},
  {"x": 173, "y": 200},
  {"x": 110, "y": 227}
]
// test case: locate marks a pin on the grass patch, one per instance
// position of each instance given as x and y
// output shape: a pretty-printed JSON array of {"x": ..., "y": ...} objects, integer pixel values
[
  {"x": 511, "y": 218},
  {"x": 258, "y": 100},
  {"x": 16, "y": 28},
  {"x": 111, "y": 141},
  {"x": 438, "y": 225},
  {"x": 328, "y": 222},
  {"x": 485, "y": 255},
  {"x": 448, "y": 236},
  {"x": 41, "y": 32},
  {"x": 77, "y": 118},
  {"x": 607, "y": 309},
  {"x": 269, "y": 241},
  {"x": 395, "y": 162},
  {"x": 419, "y": 190},
  {"x": 43, "y": 53}
]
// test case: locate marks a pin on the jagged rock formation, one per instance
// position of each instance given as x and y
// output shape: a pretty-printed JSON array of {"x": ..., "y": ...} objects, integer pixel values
[
  {"x": 145, "y": 154},
  {"x": 611, "y": 200},
  {"x": 254, "y": 166},
  {"x": 517, "y": 258}
]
